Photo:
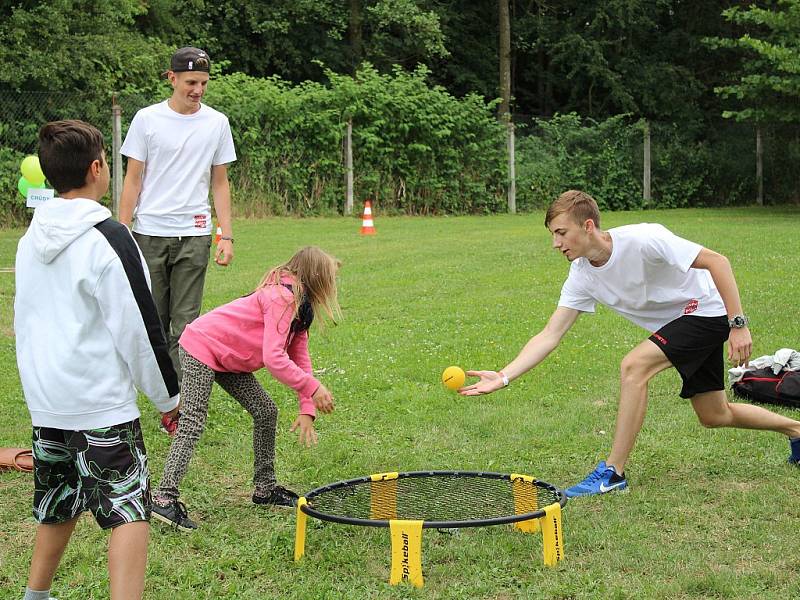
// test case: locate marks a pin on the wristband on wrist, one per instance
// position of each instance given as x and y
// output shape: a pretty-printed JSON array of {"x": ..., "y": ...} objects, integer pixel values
[
  {"x": 227, "y": 238},
  {"x": 504, "y": 377}
]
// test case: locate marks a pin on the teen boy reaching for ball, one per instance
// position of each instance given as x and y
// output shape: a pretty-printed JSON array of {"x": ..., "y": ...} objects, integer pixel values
[{"x": 682, "y": 292}]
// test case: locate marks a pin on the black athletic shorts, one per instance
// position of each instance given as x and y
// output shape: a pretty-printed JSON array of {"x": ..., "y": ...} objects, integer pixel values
[
  {"x": 694, "y": 346},
  {"x": 101, "y": 470}
]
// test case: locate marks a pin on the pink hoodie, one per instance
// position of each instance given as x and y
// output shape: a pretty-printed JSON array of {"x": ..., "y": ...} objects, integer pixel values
[{"x": 252, "y": 332}]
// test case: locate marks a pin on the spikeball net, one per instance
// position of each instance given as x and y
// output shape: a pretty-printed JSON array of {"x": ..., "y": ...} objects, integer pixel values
[{"x": 407, "y": 503}]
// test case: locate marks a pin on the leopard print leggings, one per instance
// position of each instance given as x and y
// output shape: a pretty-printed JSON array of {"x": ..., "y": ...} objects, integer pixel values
[{"x": 195, "y": 393}]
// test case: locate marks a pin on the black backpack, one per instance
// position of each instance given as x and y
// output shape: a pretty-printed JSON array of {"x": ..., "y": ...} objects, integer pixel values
[{"x": 763, "y": 386}]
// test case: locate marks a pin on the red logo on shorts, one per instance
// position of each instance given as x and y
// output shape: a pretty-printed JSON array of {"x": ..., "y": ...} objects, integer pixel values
[
  {"x": 690, "y": 307},
  {"x": 200, "y": 221},
  {"x": 660, "y": 339}
]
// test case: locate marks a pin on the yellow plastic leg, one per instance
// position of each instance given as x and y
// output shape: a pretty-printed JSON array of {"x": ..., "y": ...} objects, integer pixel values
[
  {"x": 383, "y": 496},
  {"x": 406, "y": 552},
  {"x": 525, "y": 501},
  {"x": 300, "y": 530},
  {"x": 552, "y": 535}
]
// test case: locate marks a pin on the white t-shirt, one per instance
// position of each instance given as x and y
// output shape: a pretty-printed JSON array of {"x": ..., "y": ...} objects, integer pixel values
[
  {"x": 648, "y": 279},
  {"x": 178, "y": 152}
]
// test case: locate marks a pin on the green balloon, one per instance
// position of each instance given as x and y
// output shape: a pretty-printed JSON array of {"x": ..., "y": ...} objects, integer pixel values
[
  {"x": 23, "y": 185},
  {"x": 32, "y": 170}
]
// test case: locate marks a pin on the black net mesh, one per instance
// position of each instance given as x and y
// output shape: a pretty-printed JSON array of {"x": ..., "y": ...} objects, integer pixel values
[{"x": 440, "y": 497}]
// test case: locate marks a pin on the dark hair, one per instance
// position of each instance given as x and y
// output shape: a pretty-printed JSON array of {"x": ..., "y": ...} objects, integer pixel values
[
  {"x": 66, "y": 150},
  {"x": 580, "y": 206}
]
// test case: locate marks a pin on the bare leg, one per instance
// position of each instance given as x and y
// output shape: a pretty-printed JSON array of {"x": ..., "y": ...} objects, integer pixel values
[
  {"x": 51, "y": 541},
  {"x": 127, "y": 560},
  {"x": 714, "y": 410},
  {"x": 638, "y": 367}
]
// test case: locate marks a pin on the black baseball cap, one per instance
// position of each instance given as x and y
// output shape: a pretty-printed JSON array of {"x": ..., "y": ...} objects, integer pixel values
[{"x": 190, "y": 59}]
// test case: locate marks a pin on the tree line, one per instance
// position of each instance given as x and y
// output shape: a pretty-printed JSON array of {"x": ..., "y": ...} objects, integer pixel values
[{"x": 690, "y": 65}]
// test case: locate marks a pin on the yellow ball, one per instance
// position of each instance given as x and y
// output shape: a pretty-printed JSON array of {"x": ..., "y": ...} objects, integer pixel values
[{"x": 453, "y": 377}]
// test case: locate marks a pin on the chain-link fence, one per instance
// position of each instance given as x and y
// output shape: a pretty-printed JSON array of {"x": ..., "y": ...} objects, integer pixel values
[
  {"x": 709, "y": 164},
  {"x": 23, "y": 114},
  {"x": 713, "y": 165}
]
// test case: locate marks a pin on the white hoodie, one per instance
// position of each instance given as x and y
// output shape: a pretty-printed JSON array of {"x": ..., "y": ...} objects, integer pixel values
[{"x": 88, "y": 334}]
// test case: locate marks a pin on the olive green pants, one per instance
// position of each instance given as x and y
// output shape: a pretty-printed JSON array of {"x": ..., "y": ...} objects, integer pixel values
[{"x": 177, "y": 268}]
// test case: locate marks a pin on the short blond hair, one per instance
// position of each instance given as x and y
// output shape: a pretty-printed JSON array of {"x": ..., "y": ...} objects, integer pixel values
[{"x": 580, "y": 206}]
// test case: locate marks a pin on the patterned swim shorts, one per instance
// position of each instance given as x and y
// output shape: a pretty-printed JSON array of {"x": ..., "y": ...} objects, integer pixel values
[{"x": 102, "y": 470}]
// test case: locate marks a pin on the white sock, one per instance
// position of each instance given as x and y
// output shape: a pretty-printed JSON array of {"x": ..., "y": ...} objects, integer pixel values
[{"x": 37, "y": 594}]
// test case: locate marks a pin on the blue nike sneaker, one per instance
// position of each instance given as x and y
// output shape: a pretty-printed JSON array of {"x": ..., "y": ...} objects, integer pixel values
[
  {"x": 602, "y": 480},
  {"x": 794, "y": 457}
]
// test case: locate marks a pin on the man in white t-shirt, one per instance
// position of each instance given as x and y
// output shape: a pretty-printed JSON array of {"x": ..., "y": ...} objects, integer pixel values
[
  {"x": 683, "y": 293},
  {"x": 177, "y": 151}
]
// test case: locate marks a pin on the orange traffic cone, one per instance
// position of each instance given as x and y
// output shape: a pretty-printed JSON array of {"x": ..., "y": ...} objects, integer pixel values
[
  {"x": 367, "y": 227},
  {"x": 218, "y": 237}
]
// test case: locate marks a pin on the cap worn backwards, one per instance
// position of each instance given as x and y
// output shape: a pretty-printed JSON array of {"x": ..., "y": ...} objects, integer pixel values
[{"x": 190, "y": 59}]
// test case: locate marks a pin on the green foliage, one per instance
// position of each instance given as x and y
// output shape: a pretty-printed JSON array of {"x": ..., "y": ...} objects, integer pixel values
[
  {"x": 63, "y": 59},
  {"x": 78, "y": 46},
  {"x": 689, "y": 166},
  {"x": 12, "y": 204},
  {"x": 290, "y": 38},
  {"x": 416, "y": 148},
  {"x": 605, "y": 58},
  {"x": 569, "y": 153},
  {"x": 401, "y": 30},
  {"x": 767, "y": 86}
]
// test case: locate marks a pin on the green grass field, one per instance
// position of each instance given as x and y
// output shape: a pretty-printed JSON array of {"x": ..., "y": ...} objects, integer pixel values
[{"x": 710, "y": 513}]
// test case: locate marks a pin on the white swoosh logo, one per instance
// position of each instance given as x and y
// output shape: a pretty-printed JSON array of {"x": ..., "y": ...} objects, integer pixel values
[{"x": 604, "y": 489}]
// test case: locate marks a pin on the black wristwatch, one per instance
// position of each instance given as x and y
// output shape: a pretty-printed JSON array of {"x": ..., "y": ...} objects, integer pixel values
[{"x": 738, "y": 321}]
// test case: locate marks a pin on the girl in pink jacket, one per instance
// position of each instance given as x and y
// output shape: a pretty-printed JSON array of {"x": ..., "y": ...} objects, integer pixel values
[{"x": 267, "y": 328}]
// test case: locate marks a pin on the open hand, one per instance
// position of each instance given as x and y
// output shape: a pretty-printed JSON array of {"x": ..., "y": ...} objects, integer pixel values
[
  {"x": 306, "y": 434},
  {"x": 490, "y": 381}
]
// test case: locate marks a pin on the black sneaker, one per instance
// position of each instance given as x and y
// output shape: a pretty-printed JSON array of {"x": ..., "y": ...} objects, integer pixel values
[
  {"x": 278, "y": 496},
  {"x": 174, "y": 514}
]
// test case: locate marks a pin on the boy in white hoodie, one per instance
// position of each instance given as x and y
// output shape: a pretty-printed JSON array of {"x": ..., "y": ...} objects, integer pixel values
[{"x": 88, "y": 335}]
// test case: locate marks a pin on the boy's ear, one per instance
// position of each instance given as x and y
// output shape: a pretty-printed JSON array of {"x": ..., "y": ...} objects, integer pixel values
[
  {"x": 96, "y": 167},
  {"x": 93, "y": 172}
]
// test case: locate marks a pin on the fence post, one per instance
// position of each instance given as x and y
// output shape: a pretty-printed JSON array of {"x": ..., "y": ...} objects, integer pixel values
[
  {"x": 512, "y": 174},
  {"x": 116, "y": 137},
  {"x": 759, "y": 166},
  {"x": 348, "y": 160},
  {"x": 646, "y": 176}
]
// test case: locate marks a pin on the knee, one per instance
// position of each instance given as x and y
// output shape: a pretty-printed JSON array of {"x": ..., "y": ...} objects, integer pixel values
[
  {"x": 264, "y": 412},
  {"x": 631, "y": 372},
  {"x": 715, "y": 418}
]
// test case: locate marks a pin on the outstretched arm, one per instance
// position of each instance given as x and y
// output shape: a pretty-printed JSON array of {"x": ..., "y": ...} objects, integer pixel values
[
  {"x": 534, "y": 352},
  {"x": 740, "y": 343}
]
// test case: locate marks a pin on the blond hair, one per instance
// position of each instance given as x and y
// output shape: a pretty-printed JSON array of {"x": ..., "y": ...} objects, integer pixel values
[
  {"x": 314, "y": 272},
  {"x": 580, "y": 206}
]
